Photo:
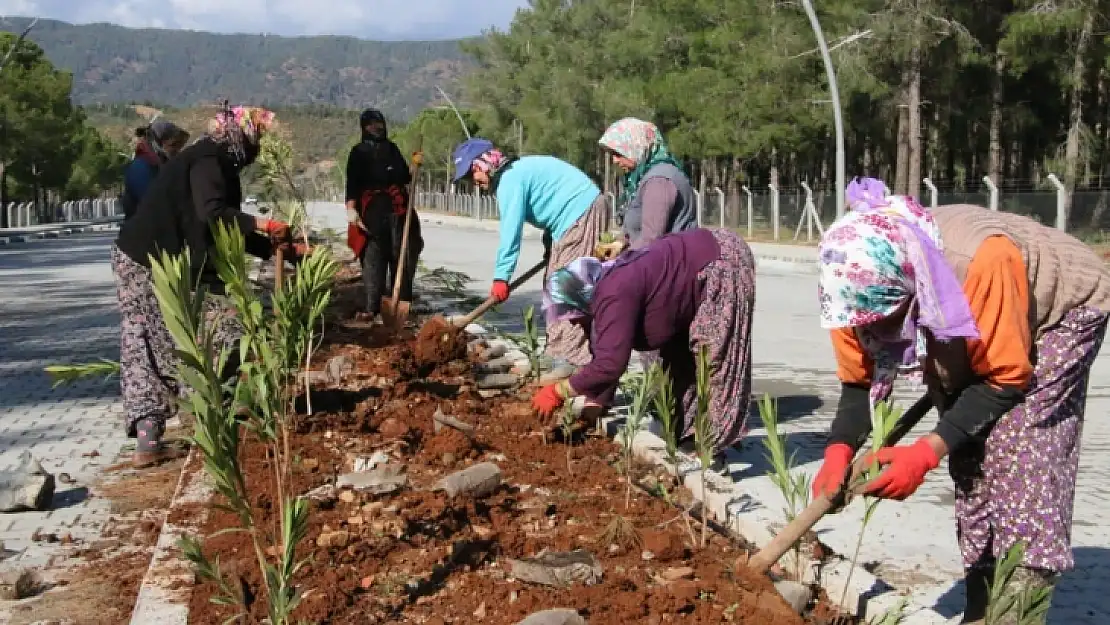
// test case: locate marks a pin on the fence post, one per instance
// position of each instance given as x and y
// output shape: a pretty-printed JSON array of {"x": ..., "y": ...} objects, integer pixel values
[
  {"x": 932, "y": 192},
  {"x": 748, "y": 193},
  {"x": 1061, "y": 202},
  {"x": 721, "y": 196},
  {"x": 774, "y": 210},
  {"x": 699, "y": 205},
  {"x": 477, "y": 204},
  {"x": 993, "y": 190},
  {"x": 611, "y": 200}
]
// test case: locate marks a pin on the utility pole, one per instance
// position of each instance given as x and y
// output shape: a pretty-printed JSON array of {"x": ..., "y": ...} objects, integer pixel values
[{"x": 838, "y": 120}]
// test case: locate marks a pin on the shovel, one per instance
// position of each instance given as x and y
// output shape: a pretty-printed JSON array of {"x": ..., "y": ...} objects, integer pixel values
[
  {"x": 394, "y": 311},
  {"x": 279, "y": 267},
  {"x": 804, "y": 522},
  {"x": 491, "y": 302}
]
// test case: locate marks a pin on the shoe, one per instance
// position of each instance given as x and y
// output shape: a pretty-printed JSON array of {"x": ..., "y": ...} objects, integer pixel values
[{"x": 148, "y": 459}]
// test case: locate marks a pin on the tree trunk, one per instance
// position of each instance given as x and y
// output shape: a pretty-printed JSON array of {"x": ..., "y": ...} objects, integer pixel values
[
  {"x": 994, "y": 162},
  {"x": 4, "y": 195},
  {"x": 1071, "y": 150},
  {"x": 913, "y": 115},
  {"x": 902, "y": 156}
]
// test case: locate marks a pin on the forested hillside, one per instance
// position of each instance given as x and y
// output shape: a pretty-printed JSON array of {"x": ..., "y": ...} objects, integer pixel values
[{"x": 112, "y": 64}]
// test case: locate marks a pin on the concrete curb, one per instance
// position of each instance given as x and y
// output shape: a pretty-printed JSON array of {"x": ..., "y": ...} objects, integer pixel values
[
  {"x": 56, "y": 231},
  {"x": 168, "y": 584}
]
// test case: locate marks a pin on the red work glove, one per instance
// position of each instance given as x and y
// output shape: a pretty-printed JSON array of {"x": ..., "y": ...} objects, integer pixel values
[
  {"x": 838, "y": 457},
  {"x": 908, "y": 465},
  {"x": 298, "y": 251},
  {"x": 499, "y": 291},
  {"x": 278, "y": 231},
  {"x": 548, "y": 399}
]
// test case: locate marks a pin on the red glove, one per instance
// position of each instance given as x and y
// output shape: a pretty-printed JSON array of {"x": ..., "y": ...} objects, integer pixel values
[
  {"x": 277, "y": 230},
  {"x": 548, "y": 399},
  {"x": 908, "y": 465},
  {"x": 838, "y": 457},
  {"x": 499, "y": 291}
]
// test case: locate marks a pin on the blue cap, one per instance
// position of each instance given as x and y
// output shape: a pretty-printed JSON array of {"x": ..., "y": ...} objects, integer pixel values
[{"x": 465, "y": 154}]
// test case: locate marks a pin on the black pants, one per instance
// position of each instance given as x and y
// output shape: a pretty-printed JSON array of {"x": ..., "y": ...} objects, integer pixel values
[{"x": 382, "y": 252}]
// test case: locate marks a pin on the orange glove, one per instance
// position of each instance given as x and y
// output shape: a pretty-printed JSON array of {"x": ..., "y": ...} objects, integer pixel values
[
  {"x": 834, "y": 469},
  {"x": 548, "y": 399},
  {"x": 499, "y": 291},
  {"x": 908, "y": 465},
  {"x": 277, "y": 230}
]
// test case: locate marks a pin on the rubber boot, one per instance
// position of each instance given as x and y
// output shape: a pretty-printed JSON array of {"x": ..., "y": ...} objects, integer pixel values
[{"x": 977, "y": 584}]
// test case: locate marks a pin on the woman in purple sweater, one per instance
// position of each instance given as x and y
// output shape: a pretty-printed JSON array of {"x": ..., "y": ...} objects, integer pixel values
[{"x": 681, "y": 292}]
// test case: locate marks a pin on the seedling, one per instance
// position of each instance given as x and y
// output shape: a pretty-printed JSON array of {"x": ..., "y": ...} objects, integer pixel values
[
  {"x": 528, "y": 341},
  {"x": 1007, "y": 604},
  {"x": 703, "y": 433},
  {"x": 567, "y": 423},
  {"x": 621, "y": 532},
  {"x": 64, "y": 374},
  {"x": 794, "y": 486},
  {"x": 663, "y": 401},
  {"x": 642, "y": 390},
  {"x": 893, "y": 616}
]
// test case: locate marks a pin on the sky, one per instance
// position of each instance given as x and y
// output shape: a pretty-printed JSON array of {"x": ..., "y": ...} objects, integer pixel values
[{"x": 366, "y": 19}]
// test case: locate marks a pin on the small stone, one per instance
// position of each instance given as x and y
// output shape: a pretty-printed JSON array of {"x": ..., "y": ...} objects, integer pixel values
[
  {"x": 347, "y": 496},
  {"x": 27, "y": 487},
  {"x": 355, "y": 520},
  {"x": 337, "y": 539},
  {"x": 370, "y": 463},
  {"x": 367, "y": 582},
  {"x": 327, "y": 492},
  {"x": 647, "y": 555},
  {"x": 476, "y": 481},
  {"x": 481, "y": 611},
  {"x": 559, "y": 569},
  {"x": 675, "y": 574},
  {"x": 614, "y": 549},
  {"x": 554, "y": 617},
  {"x": 482, "y": 531},
  {"x": 514, "y": 596},
  {"x": 796, "y": 595},
  {"x": 372, "y": 509},
  {"x": 338, "y": 368},
  {"x": 18, "y": 584},
  {"x": 448, "y": 459},
  {"x": 488, "y": 394},
  {"x": 498, "y": 381},
  {"x": 382, "y": 481}
]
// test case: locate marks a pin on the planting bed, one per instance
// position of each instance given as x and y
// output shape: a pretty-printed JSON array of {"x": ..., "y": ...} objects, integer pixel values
[{"x": 420, "y": 556}]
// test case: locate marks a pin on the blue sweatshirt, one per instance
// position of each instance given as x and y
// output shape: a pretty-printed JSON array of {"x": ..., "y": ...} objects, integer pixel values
[{"x": 545, "y": 192}]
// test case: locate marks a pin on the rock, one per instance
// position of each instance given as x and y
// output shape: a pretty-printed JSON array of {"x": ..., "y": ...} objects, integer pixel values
[
  {"x": 480, "y": 613},
  {"x": 448, "y": 459},
  {"x": 363, "y": 463},
  {"x": 796, "y": 595},
  {"x": 665, "y": 545},
  {"x": 27, "y": 487},
  {"x": 441, "y": 420},
  {"x": 488, "y": 394},
  {"x": 558, "y": 569},
  {"x": 380, "y": 481},
  {"x": 337, "y": 539},
  {"x": 18, "y": 584},
  {"x": 554, "y": 617},
  {"x": 497, "y": 365},
  {"x": 521, "y": 368},
  {"x": 338, "y": 368},
  {"x": 476, "y": 481},
  {"x": 495, "y": 350},
  {"x": 347, "y": 496},
  {"x": 393, "y": 428},
  {"x": 496, "y": 381},
  {"x": 315, "y": 377},
  {"x": 646, "y": 555},
  {"x": 675, "y": 574},
  {"x": 327, "y": 492}
]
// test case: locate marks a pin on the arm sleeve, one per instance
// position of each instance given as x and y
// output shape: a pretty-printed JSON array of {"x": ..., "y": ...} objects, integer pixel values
[
  {"x": 657, "y": 198},
  {"x": 510, "y": 202},
  {"x": 853, "y": 365},
  {"x": 611, "y": 339},
  {"x": 137, "y": 179},
  {"x": 997, "y": 290},
  {"x": 852, "y": 423},
  {"x": 258, "y": 245},
  {"x": 206, "y": 180},
  {"x": 354, "y": 183},
  {"x": 401, "y": 174}
]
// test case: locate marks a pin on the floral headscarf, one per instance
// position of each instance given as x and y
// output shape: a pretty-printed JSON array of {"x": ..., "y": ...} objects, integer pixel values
[
  {"x": 866, "y": 193},
  {"x": 877, "y": 259},
  {"x": 642, "y": 142},
  {"x": 241, "y": 128},
  {"x": 570, "y": 289},
  {"x": 490, "y": 161}
]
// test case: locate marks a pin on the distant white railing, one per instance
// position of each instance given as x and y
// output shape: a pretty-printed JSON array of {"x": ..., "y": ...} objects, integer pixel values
[{"x": 25, "y": 214}]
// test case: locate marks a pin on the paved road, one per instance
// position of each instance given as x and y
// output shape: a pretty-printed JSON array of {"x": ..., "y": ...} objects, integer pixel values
[
  {"x": 58, "y": 306},
  {"x": 912, "y": 543}
]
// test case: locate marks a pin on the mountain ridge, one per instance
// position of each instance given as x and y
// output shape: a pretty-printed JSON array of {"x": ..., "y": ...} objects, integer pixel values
[{"x": 115, "y": 64}]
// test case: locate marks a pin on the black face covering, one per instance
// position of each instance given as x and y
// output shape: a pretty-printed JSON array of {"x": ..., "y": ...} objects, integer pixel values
[{"x": 368, "y": 116}]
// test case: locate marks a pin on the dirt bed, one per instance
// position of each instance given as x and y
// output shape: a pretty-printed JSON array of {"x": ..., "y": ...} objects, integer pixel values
[{"x": 418, "y": 556}]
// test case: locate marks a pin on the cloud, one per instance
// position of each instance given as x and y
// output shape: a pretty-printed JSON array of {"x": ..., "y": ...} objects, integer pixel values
[{"x": 373, "y": 19}]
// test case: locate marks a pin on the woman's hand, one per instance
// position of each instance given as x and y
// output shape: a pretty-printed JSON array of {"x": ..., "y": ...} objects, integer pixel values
[
  {"x": 278, "y": 231},
  {"x": 834, "y": 470},
  {"x": 549, "y": 399},
  {"x": 906, "y": 467}
]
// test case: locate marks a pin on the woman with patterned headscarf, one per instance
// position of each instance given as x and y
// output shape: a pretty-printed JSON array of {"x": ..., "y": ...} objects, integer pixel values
[
  {"x": 1002, "y": 318},
  {"x": 156, "y": 143},
  {"x": 193, "y": 192},
  {"x": 657, "y": 197},
  {"x": 681, "y": 293}
]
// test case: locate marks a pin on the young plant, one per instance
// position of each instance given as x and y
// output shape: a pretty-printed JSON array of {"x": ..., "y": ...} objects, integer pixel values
[
  {"x": 794, "y": 486},
  {"x": 884, "y": 416},
  {"x": 1007, "y": 604},
  {"x": 621, "y": 532},
  {"x": 703, "y": 433},
  {"x": 269, "y": 354},
  {"x": 664, "y": 403},
  {"x": 643, "y": 388},
  {"x": 64, "y": 374},
  {"x": 567, "y": 423},
  {"x": 531, "y": 341},
  {"x": 893, "y": 616}
]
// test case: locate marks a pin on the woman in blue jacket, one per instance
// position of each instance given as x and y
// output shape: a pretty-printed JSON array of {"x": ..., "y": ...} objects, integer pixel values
[
  {"x": 555, "y": 197},
  {"x": 157, "y": 143}
]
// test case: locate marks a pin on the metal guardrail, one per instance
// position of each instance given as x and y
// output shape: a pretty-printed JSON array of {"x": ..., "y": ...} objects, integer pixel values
[{"x": 26, "y": 214}]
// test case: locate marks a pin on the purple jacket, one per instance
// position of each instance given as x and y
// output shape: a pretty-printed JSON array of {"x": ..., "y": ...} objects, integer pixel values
[{"x": 645, "y": 305}]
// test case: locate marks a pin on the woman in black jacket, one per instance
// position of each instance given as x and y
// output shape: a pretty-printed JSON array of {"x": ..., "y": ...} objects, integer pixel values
[
  {"x": 192, "y": 192},
  {"x": 377, "y": 199}
]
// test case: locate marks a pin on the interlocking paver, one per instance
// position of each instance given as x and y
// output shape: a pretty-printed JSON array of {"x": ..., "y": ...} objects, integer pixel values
[{"x": 58, "y": 306}]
